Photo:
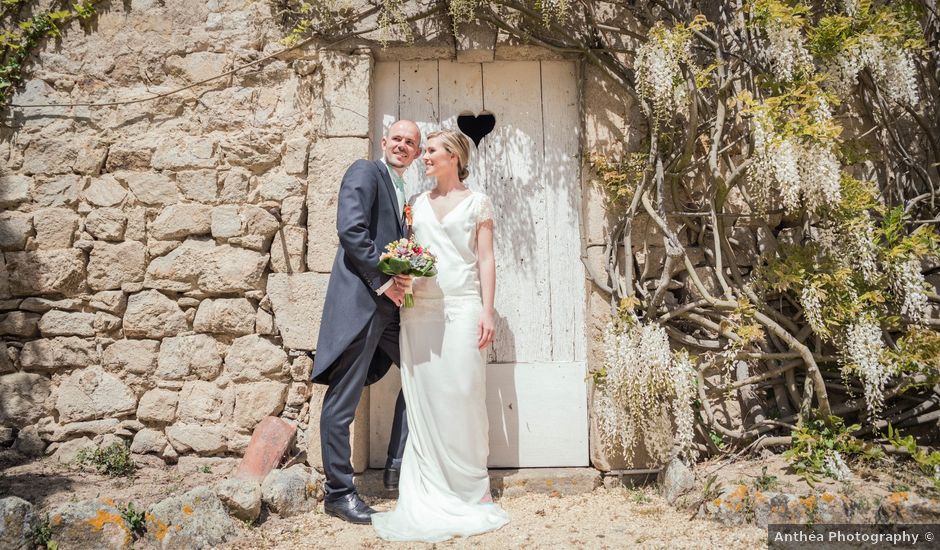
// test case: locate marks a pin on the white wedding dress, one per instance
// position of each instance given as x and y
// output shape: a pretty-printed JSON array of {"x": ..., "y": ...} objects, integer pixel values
[{"x": 443, "y": 472}]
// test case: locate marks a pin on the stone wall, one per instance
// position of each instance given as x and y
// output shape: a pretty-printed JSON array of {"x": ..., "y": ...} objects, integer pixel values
[{"x": 160, "y": 259}]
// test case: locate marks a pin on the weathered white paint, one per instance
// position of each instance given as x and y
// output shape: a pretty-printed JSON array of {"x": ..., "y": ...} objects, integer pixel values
[
  {"x": 529, "y": 165},
  {"x": 538, "y": 414}
]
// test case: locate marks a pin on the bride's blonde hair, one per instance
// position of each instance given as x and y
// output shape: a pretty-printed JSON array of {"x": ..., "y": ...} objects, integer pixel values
[{"x": 456, "y": 144}]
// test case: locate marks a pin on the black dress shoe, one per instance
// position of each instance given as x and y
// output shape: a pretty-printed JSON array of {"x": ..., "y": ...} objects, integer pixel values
[
  {"x": 349, "y": 508},
  {"x": 390, "y": 478}
]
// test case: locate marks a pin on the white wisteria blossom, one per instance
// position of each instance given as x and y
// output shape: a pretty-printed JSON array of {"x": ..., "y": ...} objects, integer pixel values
[
  {"x": 858, "y": 248},
  {"x": 659, "y": 72},
  {"x": 892, "y": 68},
  {"x": 910, "y": 288},
  {"x": 863, "y": 348},
  {"x": 851, "y": 7},
  {"x": 804, "y": 173},
  {"x": 812, "y": 308},
  {"x": 835, "y": 466},
  {"x": 786, "y": 51},
  {"x": 642, "y": 373}
]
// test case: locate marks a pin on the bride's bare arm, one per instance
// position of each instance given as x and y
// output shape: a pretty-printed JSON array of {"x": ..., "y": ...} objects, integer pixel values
[{"x": 487, "y": 266}]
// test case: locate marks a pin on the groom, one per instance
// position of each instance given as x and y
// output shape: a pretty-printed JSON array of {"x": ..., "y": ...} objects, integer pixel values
[{"x": 358, "y": 337}]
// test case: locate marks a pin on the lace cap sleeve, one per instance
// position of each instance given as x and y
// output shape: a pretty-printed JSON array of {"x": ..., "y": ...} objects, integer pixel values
[{"x": 484, "y": 209}]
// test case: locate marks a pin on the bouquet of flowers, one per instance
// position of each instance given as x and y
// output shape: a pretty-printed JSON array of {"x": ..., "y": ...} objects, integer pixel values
[{"x": 406, "y": 257}]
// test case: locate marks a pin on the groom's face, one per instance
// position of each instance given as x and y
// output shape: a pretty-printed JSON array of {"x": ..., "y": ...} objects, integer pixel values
[{"x": 402, "y": 144}]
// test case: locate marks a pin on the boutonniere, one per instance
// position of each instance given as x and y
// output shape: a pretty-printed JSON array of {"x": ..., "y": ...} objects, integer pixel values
[
  {"x": 409, "y": 221},
  {"x": 407, "y": 212}
]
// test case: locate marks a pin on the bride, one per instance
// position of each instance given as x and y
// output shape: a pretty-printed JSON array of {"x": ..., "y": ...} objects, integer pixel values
[{"x": 444, "y": 489}]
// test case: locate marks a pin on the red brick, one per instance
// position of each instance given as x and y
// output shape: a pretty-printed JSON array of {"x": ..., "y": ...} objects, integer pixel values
[{"x": 269, "y": 442}]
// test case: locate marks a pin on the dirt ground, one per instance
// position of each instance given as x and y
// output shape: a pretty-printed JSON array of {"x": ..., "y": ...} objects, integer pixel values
[{"x": 605, "y": 518}]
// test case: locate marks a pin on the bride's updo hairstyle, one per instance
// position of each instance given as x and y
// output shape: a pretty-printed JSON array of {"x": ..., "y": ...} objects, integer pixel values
[{"x": 456, "y": 144}]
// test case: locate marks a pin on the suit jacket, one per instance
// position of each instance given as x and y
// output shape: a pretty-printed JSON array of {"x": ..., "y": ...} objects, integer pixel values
[{"x": 367, "y": 219}]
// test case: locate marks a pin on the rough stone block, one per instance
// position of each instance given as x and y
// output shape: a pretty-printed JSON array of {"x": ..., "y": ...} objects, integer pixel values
[
  {"x": 277, "y": 186},
  {"x": 106, "y": 324},
  {"x": 205, "y": 403},
  {"x": 226, "y": 222},
  {"x": 111, "y": 301},
  {"x": 150, "y": 314},
  {"x": 188, "y": 152},
  {"x": 104, "y": 191},
  {"x": 179, "y": 270},
  {"x": 225, "y": 316},
  {"x": 136, "y": 356},
  {"x": 203, "y": 440},
  {"x": 196, "y": 66},
  {"x": 179, "y": 221},
  {"x": 58, "y": 353},
  {"x": 198, "y": 185},
  {"x": 64, "y": 432},
  {"x": 106, "y": 224},
  {"x": 28, "y": 442},
  {"x": 15, "y": 228},
  {"x": 183, "y": 357},
  {"x": 89, "y": 524},
  {"x": 112, "y": 265},
  {"x": 60, "y": 190},
  {"x": 55, "y": 227},
  {"x": 65, "y": 323},
  {"x": 297, "y": 301},
  {"x": 64, "y": 155},
  {"x": 148, "y": 441},
  {"x": 150, "y": 188},
  {"x": 16, "y": 522},
  {"x": 230, "y": 269},
  {"x": 295, "y": 155},
  {"x": 14, "y": 190},
  {"x": 158, "y": 406},
  {"x": 329, "y": 160},
  {"x": 294, "y": 211},
  {"x": 19, "y": 323},
  {"x": 264, "y": 323},
  {"x": 23, "y": 395},
  {"x": 252, "y": 358},
  {"x": 288, "y": 250},
  {"x": 234, "y": 186},
  {"x": 92, "y": 393},
  {"x": 343, "y": 103},
  {"x": 4, "y": 279},
  {"x": 196, "y": 519},
  {"x": 292, "y": 491},
  {"x": 242, "y": 498},
  {"x": 253, "y": 402},
  {"x": 67, "y": 452}
]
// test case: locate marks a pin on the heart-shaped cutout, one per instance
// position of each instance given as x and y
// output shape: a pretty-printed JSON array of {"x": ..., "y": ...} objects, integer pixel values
[{"x": 476, "y": 127}]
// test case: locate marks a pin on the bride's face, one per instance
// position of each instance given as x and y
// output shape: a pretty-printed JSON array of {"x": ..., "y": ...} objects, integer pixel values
[{"x": 437, "y": 160}]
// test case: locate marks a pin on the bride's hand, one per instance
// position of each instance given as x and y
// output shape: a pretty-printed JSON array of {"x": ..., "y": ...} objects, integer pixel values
[{"x": 487, "y": 327}]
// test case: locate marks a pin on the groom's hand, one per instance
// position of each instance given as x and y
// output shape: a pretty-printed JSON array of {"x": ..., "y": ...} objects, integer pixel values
[{"x": 395, "y": 293}]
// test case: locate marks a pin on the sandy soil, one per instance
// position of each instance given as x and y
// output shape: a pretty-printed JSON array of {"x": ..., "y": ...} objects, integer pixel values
[{"x": 605, "y": 518}]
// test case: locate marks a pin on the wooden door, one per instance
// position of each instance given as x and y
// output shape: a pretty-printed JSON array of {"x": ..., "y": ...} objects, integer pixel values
[{"x": 529, "y": 166}]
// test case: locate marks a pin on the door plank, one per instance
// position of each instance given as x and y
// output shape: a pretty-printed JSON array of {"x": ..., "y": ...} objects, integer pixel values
[
  {"x": 384, "y": 102},
  {"x": 419, "y": 102},
  {"x": 560, "y": 172},
  {"x": 512, "y": 92}
]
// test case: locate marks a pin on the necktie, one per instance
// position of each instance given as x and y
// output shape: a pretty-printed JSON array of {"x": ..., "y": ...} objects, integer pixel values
[{"x": 400, "y": 186}]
